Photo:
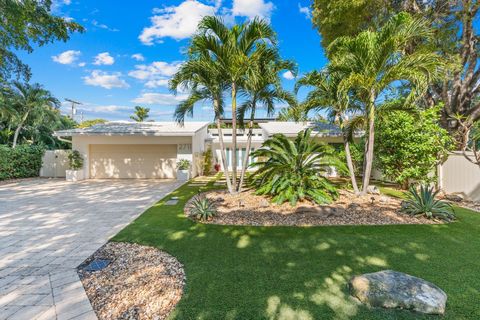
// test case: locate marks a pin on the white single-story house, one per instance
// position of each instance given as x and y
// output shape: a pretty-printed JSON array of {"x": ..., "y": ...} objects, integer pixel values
[{"x": 151, "y": 150}]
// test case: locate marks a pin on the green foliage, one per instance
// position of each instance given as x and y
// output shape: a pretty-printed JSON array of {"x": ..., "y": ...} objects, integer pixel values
[
  {"x": 22, "y": 162},
  {"x": 27, "y": 24},
  {"x": 410, "y": 145},
  {"x": 75, "y": 160},
  {"x": 202, "y": 208},
  {"x": 423, "y": 203},
  {"x": 140, "y": 114},
  {"x": 207, "y": 162},
  {"x": 183, "y": 164},
  {"x": 89, "y": 123},
  {"x": 294, "y": 170},
  {"x": 357, "y": 152}
]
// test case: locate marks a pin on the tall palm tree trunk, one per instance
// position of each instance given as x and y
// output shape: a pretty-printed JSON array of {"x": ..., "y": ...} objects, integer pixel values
[
  {"x": 369, "y": 149},
  {"x": 249, "y": 143},
  {"x": 19, "y": 128},
  {"x": 234, "y": 136},
  {"x": 223, "y": 155},
  {"x": 348, "y": 157}
]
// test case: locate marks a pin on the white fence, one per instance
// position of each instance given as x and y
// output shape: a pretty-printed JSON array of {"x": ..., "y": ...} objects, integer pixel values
[
  {"x": 54, "y": 164},
  {"x": 458, "y": 175}
]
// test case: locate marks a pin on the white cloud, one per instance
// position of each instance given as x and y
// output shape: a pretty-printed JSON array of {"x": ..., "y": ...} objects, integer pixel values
[
  {"x": 252, "y": 8},
  {"x": 103, "y": 26},
  {"x": 178, "y": 22},
  {"x": 67, "y": 2},
  {"x": 82, "y": 64},
  {"x": 104, "y": 58},
  {"x": 67, "y": 57},
  {"x": 155, "y": 74},
  {"x": 138, "y": 57},
  {"x": 288, "y": 75},
  {"x": 159, "y": 98},
  {"x": 105, "y": 80},
  {"x": 305, "y": 10}
]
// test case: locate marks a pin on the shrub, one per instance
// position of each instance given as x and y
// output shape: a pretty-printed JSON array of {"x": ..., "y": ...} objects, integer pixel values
[
  {"x": 24, "y": 161},
  {"x": 423, "y": 203},
  {"x": 294, "y": 170},
  {"x": 207, "y": 162},
  {"x": 202, "y": 208},
  {"x": 75, "y": 160},
  {"x": 183, "y": 164}
]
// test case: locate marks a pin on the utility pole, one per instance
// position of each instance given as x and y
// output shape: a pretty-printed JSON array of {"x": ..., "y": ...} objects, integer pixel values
[{"x": 74, "y": 109}]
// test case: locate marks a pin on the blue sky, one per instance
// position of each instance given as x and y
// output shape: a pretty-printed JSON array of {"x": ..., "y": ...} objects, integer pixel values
[{"x": 128, "y": 52}]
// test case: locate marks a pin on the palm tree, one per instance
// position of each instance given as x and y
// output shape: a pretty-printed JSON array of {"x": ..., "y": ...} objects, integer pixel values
[
  {"x": 28, "y": 99},
  {"x": 324, "y": 96},
  {"x": 232, "y": 48},
  {"x": 263, "y": 87},
  {"x": 140, "y": 114},
  {"x": 295, "y": 170},
  {"x": 202, "y": 77},
  {"x": 375, "y": 62}
]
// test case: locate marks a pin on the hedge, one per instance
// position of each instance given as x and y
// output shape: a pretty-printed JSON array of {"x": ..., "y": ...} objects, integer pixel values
[{"x": 22, "y": 162}]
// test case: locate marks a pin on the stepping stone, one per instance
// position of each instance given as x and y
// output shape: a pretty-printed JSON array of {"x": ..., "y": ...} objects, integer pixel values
[{"x": 171, "y": 202}]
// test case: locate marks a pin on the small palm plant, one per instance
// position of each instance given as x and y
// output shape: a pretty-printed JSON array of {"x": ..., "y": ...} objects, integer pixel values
[
  {"x": 202, "y": 208},
  {"x": 295, "y": 170},
  {"x": 422, "y": 202}
]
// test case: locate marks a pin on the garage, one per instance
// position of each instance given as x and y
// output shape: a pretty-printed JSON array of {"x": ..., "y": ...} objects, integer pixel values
[{"x": 133, "y": 161}]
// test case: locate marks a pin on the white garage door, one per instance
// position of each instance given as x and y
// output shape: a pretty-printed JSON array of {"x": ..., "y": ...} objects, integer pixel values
[{"x": 150, "y": 161}]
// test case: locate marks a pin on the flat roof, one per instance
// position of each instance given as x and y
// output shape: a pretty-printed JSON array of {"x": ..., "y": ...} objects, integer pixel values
[
  {"x": 290, "y": 128},
  {"x": 127, "y": 128}
]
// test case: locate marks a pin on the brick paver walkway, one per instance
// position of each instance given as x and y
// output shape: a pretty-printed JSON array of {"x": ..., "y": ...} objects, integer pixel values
[{"x": 48, "y": 227}]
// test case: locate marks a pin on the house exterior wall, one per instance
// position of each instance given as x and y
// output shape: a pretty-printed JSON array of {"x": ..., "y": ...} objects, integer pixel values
[{"x": 82, "y": 144}]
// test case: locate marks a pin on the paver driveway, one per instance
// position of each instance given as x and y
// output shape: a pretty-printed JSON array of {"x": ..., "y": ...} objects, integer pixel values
[{"x": 48, "y": 227}]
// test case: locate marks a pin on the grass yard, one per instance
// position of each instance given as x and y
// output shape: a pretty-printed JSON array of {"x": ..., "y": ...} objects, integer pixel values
[{"x": 301, "y": 273}]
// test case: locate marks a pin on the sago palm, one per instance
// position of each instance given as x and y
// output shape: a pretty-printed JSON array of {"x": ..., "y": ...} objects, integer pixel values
[
  {"x": 232, "y": 48},
  {"x": 325, "y": 96},
  {"x": 374, "y": 62},
  {"x": 27, "y": 99},
  {"x": 294, "y": 170},
  {"x": 263, "y": 88}
]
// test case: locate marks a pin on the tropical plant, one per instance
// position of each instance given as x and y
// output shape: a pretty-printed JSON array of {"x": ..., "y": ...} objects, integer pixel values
[
  {"x": 410, "y": 145},
  {"x": 207, "y": 161},
  {"x": 325, "y": 97},
  {"x": 374, "y": 63},
  {"x": 422, "y": 202},
  {"x": 263, "y": 88},
  {"x": 232, "y": 51},
  {"x": 183, "y": 164},
  {"x": 27, "y": 100},
  {"x": 202, "y": 208},
  {"x": 22, "y": 162},
  {"x": 140, "y": 114},
  {"x": 294, "y": 170},
  {"x": 75, "y": 160}
]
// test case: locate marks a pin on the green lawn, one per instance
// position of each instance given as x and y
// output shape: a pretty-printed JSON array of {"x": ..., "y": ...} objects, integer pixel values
[{"x": 301, "y": 273}]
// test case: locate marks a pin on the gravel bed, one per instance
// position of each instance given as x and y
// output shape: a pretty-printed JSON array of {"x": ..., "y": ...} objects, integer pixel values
[
  {"x": 247, "y": 208},
  {"x": 140, "y": 282}
]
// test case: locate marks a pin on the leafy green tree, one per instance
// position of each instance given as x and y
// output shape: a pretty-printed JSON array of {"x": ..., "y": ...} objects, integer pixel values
[
  {"x": 294, "y": 170},
  {"x": 233, "y": 50},
  {"x": 263, "y": 87},
  {"x": 140, "y": 114},
  {"x": 325, "y": 96},
  {"x": 89, "y": 123},
  {"x": 410, "y": 145},
  {"x": 29, "y": 100},
  {"x": 373, "y": 62},
  {"x": 24, "y": 25}
]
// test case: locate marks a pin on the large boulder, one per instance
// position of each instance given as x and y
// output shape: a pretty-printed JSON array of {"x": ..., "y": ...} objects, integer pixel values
[
  {"x": 392, "y": 289},
  {"x": 373, "y": 190}
]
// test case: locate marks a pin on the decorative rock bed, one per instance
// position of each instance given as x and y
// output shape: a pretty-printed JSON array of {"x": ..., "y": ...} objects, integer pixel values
[
  {"x": 139, "y": 282},
  {"x": 247, "y": 208}
]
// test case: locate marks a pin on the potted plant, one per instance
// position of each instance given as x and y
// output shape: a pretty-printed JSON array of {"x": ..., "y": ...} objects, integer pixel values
[
  {"x": 183, "y": 170},
  {"x": 75, "y": 163}
]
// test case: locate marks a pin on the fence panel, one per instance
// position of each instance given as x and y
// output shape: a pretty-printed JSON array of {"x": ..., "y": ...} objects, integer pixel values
[
  {"x": 54, "y": 164},
  {"x": 458, "y": 175}
]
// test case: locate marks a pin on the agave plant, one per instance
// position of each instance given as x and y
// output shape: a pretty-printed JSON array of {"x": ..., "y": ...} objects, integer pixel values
[
  {"x": 202, "y": 208},
  {"x": 294, "y": 170},
  {"x": 422, "y": 202}
]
